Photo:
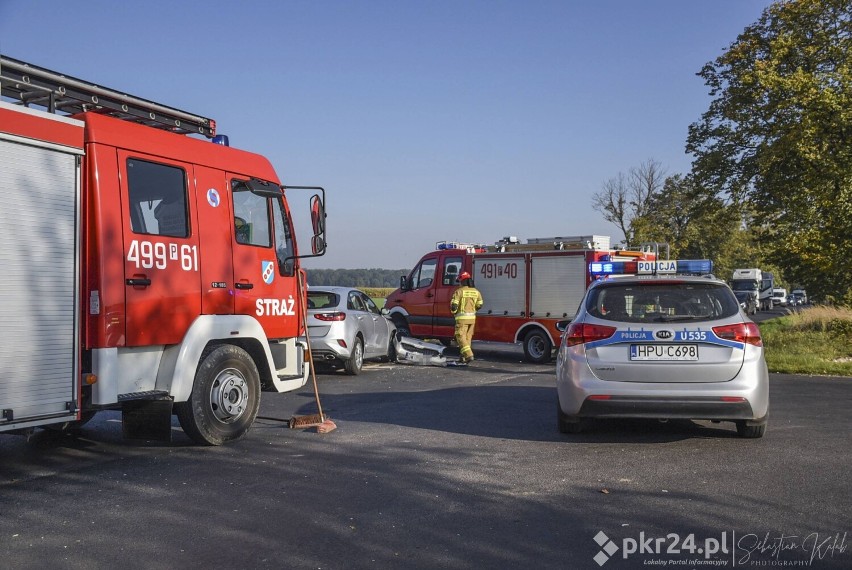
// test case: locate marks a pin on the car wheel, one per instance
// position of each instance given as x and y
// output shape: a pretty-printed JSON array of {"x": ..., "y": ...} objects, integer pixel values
[
  {"x": 537, "y": 347},
  {"x": 355, "y": 362},
  {"x": 568, "y": 426},
  {"x": 225, "y": 396},
  {"x": 750, "y": 431}
]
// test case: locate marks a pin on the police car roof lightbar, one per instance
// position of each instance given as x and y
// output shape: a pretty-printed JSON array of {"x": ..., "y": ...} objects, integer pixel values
[{"x": 667, "y": 267}]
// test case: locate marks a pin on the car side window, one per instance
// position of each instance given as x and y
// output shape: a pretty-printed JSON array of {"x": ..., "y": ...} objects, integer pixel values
[
  {"x": 355, "y": 303},
  {"x": 371, "y": 306}
]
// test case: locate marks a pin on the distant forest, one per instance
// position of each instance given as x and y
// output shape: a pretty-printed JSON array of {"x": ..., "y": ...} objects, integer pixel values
[{"x": 356, "y": 277}]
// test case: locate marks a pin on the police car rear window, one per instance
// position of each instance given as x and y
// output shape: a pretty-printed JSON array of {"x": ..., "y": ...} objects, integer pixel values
[{"x": 661, "y": 302}]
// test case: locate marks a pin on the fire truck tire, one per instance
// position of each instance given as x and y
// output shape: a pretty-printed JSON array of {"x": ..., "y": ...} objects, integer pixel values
[
  {"x": 353, "y": 364},
  {"x": 537, "y": 347},
  {"x": 225, "y": 396}
]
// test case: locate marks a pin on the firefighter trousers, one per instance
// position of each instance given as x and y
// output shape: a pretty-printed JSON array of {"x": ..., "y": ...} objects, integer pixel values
[{"x": 464, "y": 335}]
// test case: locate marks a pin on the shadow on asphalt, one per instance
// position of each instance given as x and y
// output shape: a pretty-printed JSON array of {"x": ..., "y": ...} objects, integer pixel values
[{"x": 505, "y": 412}]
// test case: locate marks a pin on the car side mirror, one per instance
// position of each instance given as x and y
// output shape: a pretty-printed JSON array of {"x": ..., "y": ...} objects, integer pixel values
[{"x": 562, "y": 326}]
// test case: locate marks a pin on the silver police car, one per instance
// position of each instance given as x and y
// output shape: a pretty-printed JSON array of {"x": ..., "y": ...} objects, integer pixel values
[{"x": 664, "y": 347}]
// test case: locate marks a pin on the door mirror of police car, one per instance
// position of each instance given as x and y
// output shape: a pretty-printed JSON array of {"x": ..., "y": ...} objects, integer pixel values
[{"x": 562, "y": 326}]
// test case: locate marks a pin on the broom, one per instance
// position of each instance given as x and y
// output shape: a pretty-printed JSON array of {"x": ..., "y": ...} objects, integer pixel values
[{"x": 319, "y": 421}]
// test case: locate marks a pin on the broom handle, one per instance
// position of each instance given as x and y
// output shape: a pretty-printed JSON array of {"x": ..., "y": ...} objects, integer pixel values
[{"x": 303, "y": 278}]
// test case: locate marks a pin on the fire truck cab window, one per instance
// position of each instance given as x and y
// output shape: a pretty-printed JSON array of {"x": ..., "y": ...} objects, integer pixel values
[
  {"x": 424, "y": 274},
  {"x": 452, "y": 269},
  {"x": 251, "y": 216},
  {"x": 157, "y": 199},
  {"x": 283, "y": 239}
]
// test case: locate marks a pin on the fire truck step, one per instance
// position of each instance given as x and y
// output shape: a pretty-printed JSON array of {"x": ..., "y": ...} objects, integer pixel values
[
  {"x": 149, "y": 419},
  {"x": 149, "y": 395}
]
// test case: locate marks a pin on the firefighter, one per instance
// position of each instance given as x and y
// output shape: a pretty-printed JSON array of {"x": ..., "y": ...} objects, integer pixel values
[{"x": 464, "y": 304}]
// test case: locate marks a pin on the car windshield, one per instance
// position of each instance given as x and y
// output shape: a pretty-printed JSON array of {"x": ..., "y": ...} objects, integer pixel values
[
  {"x": 322, "y": 300},
  {"x": 661, "y": 302}
]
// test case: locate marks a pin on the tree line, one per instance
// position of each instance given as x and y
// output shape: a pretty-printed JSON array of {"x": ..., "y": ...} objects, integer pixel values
[
  {"x": 381, "y": 278},
  {"x": 771, "y": 178}
]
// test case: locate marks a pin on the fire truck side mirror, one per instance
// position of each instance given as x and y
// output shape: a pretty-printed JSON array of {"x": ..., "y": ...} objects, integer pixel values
[
  {"x": 403, "y": 283},
  {"x": 317, "y": 245},
  {"x": 318, "y": 224},
  {"x": 317, "y": 215}
]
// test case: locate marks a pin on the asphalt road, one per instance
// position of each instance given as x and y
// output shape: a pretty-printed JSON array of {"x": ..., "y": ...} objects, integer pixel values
[{"x": 441, "y": 468}]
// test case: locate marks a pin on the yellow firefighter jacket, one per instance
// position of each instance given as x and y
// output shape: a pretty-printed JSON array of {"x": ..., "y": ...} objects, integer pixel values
[{"x": 465, "y": 302}]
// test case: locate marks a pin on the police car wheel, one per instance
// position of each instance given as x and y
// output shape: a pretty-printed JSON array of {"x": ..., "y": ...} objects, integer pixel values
[
  {"x": 537, "y": 347},
  {"x": 225, "y": 396},
  {"x": 569, "y": 426},
  {"x": 353, "y": 364}
]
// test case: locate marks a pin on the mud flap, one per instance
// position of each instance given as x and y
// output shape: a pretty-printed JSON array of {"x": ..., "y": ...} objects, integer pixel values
[
  {"x": 147, "y": 419},
  {"x": 413, "y": 351}
]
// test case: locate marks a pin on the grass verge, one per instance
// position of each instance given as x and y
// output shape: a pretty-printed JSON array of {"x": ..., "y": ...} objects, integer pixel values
[{"x": 816, "y": 340}]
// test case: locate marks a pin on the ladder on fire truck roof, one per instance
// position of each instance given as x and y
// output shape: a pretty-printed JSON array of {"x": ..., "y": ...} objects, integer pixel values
[{"x": 28, "y": 84}]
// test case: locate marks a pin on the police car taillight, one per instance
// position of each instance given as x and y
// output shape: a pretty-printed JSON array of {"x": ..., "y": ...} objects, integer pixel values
[
  {"x": 581, "y": 333},
  {"x": 747, "y": 333},
  {"x": 337, "y": 316}
]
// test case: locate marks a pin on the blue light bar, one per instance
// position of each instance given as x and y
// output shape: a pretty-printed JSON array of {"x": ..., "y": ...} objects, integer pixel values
[
  {"x": 681, "y": 267},
  {"x": 694, "y": 266}
]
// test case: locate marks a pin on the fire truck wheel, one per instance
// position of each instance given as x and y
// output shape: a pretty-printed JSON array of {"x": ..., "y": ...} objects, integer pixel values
[
  {"x": 225, "y": 396},
  {"x": 353, "y": 364},
  {"x": 537, "y": 347}
]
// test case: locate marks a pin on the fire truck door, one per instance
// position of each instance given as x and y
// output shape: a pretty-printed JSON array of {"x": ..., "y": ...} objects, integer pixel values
[
  {"x": 215, "y": 262},
  {"x": 264, "y": 281},
  {"x": 420, "y": 299},
  {"x": 444, "y": 321},
  {"x": 160, "y": 249}
]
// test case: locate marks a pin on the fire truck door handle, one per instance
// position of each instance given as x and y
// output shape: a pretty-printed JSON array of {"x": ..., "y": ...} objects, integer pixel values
[
  {"x": 244, "y": 285},
  {"x": 139, "y": 282},
  {"x": 430, "y": 294}
]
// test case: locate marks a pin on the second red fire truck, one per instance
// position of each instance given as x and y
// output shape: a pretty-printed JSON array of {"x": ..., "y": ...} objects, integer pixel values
[{"x": 527, "y": 288}]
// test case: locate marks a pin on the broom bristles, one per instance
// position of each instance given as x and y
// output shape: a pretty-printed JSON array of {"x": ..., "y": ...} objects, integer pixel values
[{"x": 297, "y": 422}]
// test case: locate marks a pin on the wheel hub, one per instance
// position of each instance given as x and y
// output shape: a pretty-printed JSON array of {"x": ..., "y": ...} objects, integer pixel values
[{"x": 229, "y": 396}]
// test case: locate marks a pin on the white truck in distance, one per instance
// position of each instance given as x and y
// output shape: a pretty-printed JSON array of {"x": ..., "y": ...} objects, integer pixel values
[{"x": 757, "y": 284}]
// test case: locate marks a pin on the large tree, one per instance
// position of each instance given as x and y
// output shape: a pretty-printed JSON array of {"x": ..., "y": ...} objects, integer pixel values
[
  {"x": 625, "y": 198},
  {"x": 778, "y": 135}
]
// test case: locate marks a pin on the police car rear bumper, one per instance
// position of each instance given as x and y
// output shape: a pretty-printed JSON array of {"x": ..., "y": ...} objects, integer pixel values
[{"x": 668, "y": 408}]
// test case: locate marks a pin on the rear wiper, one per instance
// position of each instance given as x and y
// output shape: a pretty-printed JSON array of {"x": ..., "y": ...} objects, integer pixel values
[{"x": 667, "y": 319}]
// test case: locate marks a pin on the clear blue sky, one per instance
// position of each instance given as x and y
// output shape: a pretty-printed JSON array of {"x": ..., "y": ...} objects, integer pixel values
[{"x": 424, "y": 120}]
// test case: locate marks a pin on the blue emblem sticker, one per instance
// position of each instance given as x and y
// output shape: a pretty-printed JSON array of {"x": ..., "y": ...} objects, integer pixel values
[
  {"x": 268, "y": 269},
  {"x": 213, "y": 197}
]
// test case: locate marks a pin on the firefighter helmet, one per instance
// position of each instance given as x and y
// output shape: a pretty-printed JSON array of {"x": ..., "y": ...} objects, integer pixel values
[{"x": 464, "y": 275}]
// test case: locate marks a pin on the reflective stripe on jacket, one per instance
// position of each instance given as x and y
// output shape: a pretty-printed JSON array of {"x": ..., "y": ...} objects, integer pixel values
[{"x": 465, "y": 302}]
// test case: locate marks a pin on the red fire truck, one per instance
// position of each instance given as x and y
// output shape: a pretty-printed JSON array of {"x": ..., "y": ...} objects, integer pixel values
[
  {"x": 144, "y": 269},
  {"x": 527, "y": 288}
]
